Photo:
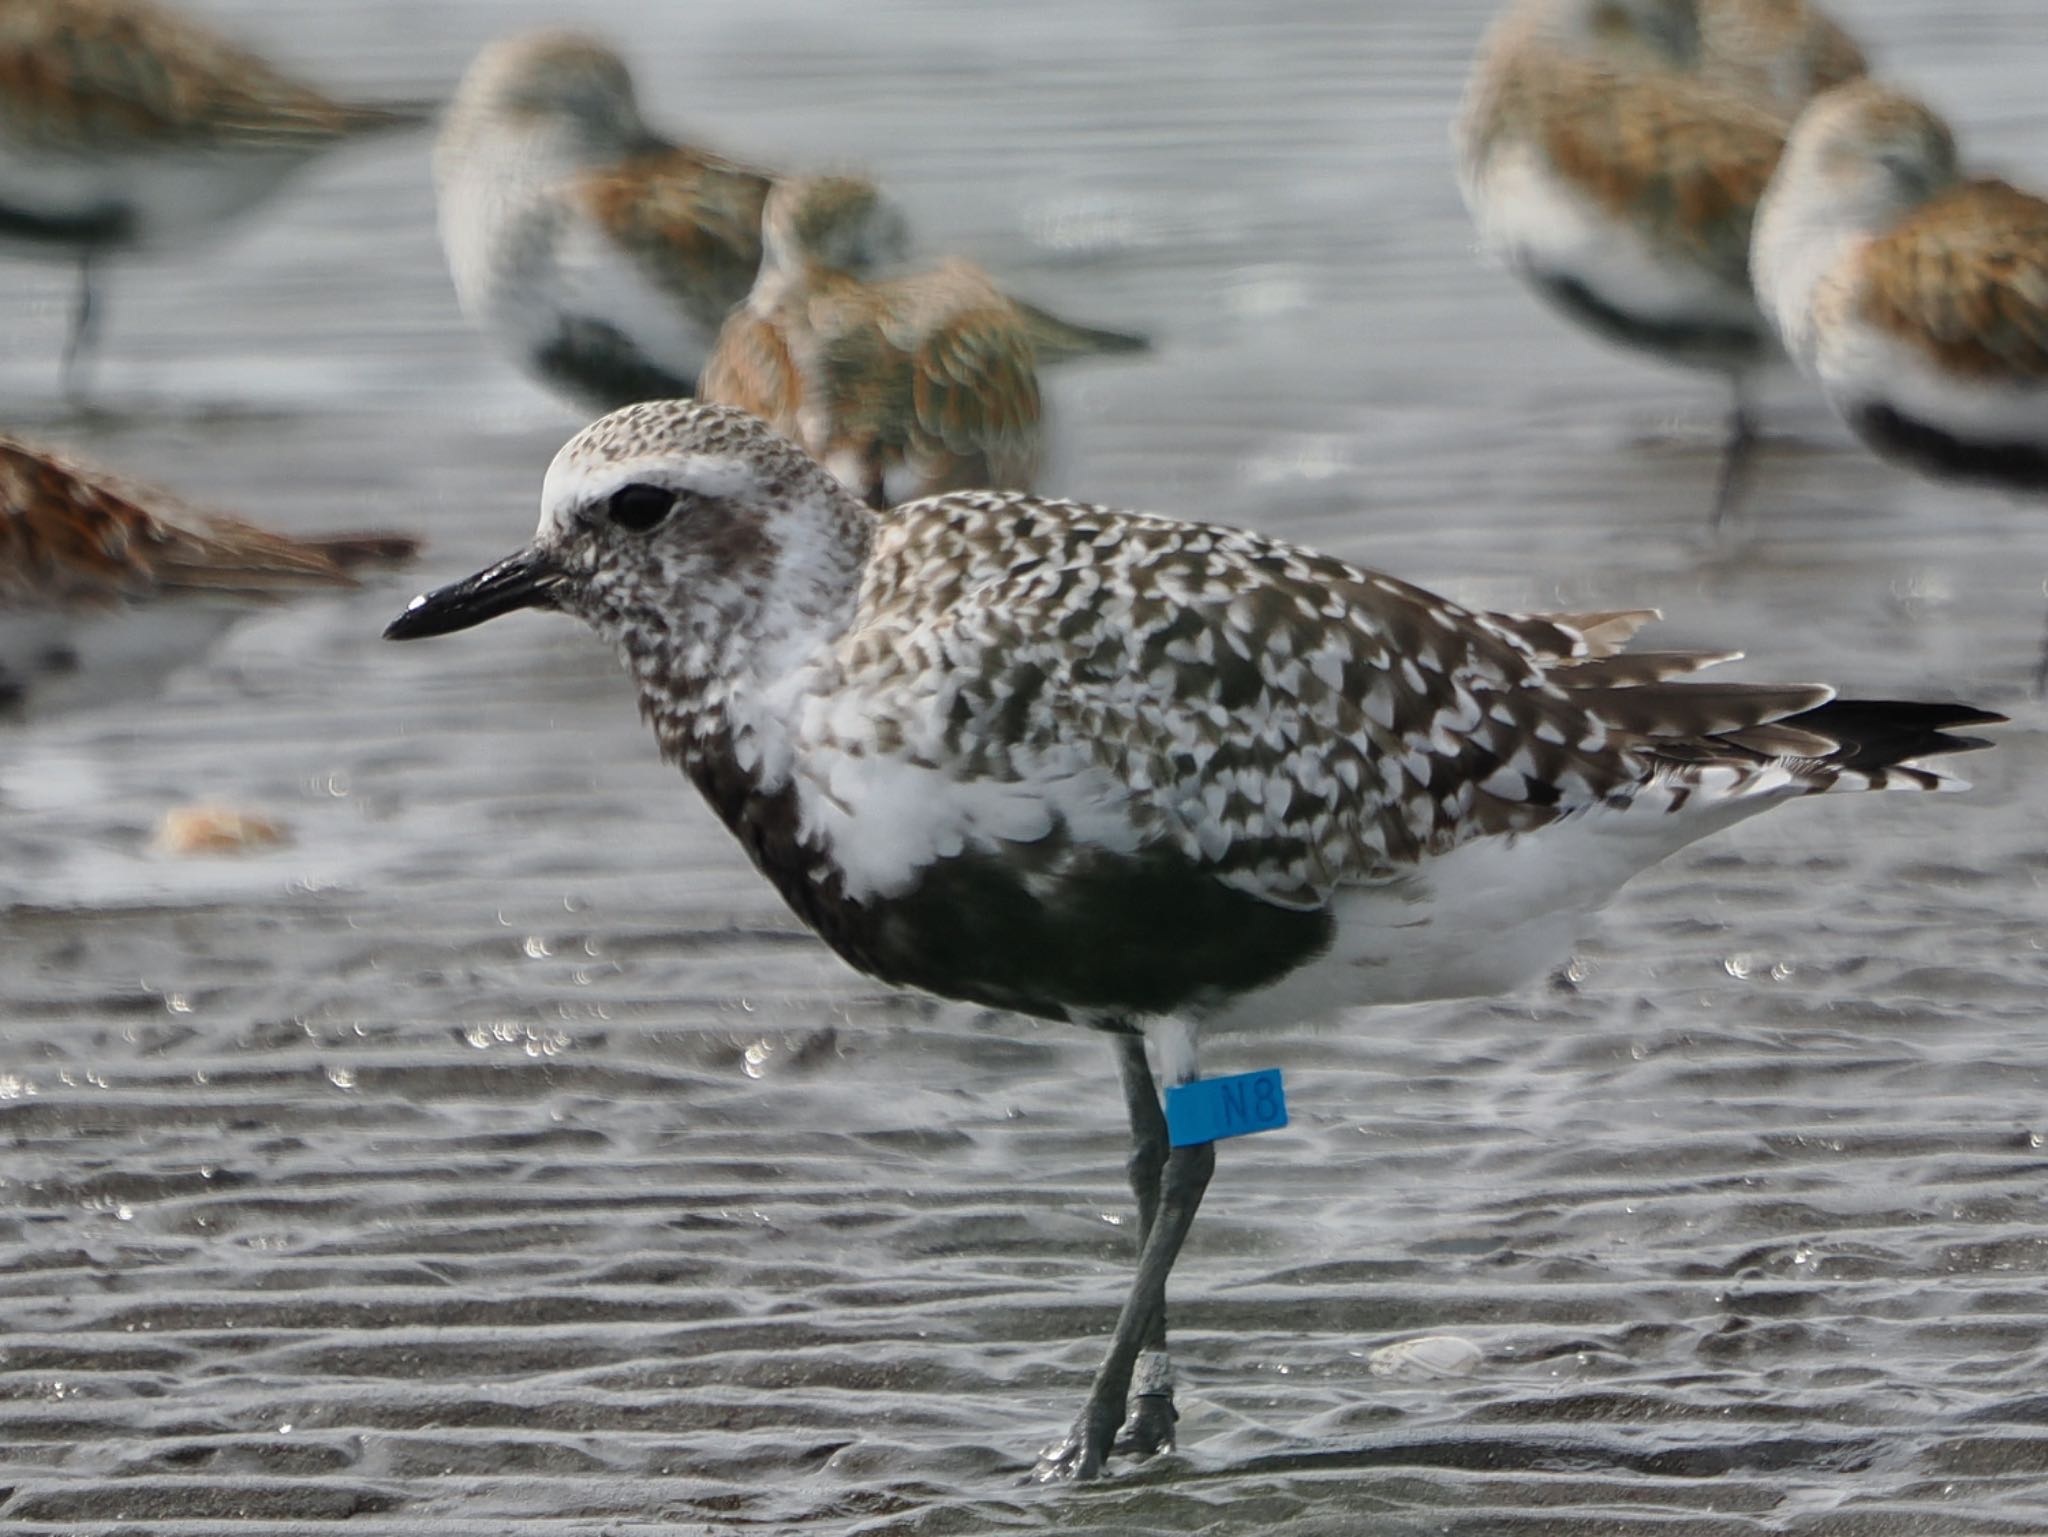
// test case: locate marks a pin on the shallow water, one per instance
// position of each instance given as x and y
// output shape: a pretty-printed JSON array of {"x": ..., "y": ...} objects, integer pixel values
[{"x": 501, "y": 1158}]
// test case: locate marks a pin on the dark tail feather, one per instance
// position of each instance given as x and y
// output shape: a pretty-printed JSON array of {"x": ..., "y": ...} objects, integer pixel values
[
  {"x": 355, "y": 552},
  {"x": 1057, "y": 340},
  {"x": 1872, "y": 735},
  {"x": 389, "y": 116}
]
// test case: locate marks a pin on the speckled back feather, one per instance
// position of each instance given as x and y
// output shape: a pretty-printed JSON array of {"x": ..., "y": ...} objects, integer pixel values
[
  {"x": 1964, "y": 279},
  {"x": 1290, "y": 722}
]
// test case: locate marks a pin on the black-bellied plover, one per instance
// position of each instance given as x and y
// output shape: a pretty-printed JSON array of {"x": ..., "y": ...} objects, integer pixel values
[
  {"x": 602, "y": 257},
  {"x": 1622, "y": 188},
  {"x": 1150, "y": 776},
  {"x": 106, "y": 584},
  {"x": 901, "y": 386},
  {"x": 125, "y": 126}
]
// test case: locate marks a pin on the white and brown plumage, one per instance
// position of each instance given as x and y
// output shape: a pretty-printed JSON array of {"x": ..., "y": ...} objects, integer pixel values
[
  {"x": 600, "y": 255},
  {"x": 902, "y": 386},
  {"x": 1916, "y": 295},
  {"x": 1785, "y": 52},
  {"x": 1622, "y": 187},
  {"x": 105, "y": 583},
  {"x": 1152, "y": 776},
  {"x": 125, "y": 126}
]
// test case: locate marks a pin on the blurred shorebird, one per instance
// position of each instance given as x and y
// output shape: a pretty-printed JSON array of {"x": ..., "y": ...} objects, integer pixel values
[
  {"x": 901, "y": 386},
  {"x": 127, "y": 127},
  {"x": 106, "y": 585},
  {"x": 601, "y": 256},
  {"x": 1623, "y": 190},
  {"x": 1785, "y": 52},
  {"x": 1917, "y": 296},
  {"x": 1149, "y": 776}
]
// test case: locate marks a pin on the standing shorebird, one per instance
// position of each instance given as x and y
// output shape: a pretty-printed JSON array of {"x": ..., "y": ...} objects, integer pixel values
[
  {"x": 1785, "y": 52},
  {"x": 902, "y": 387},
  {"x": 127, "y": 127},
  {"x": 601, "y": 256},
  {"x": 1622, "y": 190},
  {"x": 1916, "y": 296},
  {"x": 1149, "y": 776},
  {"x": 105, "y": 585}
]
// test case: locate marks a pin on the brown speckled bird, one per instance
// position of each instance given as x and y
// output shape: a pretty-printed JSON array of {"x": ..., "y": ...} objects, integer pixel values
[
  {"x": 1153, "y": 777},
  {"x": 1916, "y": 295},
  {"x": 105, "y": 583},
  {"x": 600, "y": 255},
  {"x": 1623, "y": 189},
  {"x": 1785, "y": 52},
  {"x": 901, "y": 386},
  {"x": 125, "y": 126}
]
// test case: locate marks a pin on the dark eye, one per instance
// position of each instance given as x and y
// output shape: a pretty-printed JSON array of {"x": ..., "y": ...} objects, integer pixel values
[{"x": 640, "y": 507}]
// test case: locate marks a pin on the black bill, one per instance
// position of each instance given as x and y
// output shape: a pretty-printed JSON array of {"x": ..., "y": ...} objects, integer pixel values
[{"x": 525, "y": 580}]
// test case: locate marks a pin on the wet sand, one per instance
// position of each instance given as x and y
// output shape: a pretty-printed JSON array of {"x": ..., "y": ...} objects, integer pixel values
[{"x": 502, "y": 1158}]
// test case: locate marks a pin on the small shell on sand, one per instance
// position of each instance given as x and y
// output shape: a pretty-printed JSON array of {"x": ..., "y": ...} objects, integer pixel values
[
  {"x": 191, "y": 830},
  {"x": 1433, "y": 1358}
]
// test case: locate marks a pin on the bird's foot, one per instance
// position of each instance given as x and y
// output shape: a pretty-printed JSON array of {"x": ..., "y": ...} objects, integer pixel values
[
  {"x": 1149, "y": 1430},
  {"x": 1079, "y": 1457}
]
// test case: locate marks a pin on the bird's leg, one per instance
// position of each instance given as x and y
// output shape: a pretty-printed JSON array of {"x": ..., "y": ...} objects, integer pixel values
[
  {"x": 1184, "y": 1176},
  {"x": 1088, "y": 1444},
  {"x": 1150, "y": 1426},
  {"x": 82, "y": 342},
  {"x": 1148, "y": 1130},
  {"x": 2041, "y": 670},
  {"x": 1738, "y": 458}
]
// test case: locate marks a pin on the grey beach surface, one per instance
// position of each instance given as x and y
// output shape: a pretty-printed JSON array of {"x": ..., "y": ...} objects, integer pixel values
[{"x": 501, "y": 1157}]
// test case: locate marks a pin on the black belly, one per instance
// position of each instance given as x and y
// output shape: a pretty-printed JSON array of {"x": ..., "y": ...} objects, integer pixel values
[
  {"x": 1117, "y": 936},
  {"x": 109, "y": 225},
  {"x": 1701, "y": 344},
  {"x": 1041, "y": 928},
  {"x": 604, "y": 369},
  {"x": 2015, "y": 464}
]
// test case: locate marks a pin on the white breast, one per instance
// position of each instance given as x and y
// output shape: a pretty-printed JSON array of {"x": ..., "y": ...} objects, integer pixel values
[
  {"x": 1859, "y": 365},
  {"x": 1534, "y": 221},
  {"x": 167, "y": 196}
]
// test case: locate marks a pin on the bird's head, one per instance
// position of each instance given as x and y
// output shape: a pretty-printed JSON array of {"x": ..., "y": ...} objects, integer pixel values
[
  {"x": 558, "y": 79},
  {"x": 1870, "y": 151},
  {"x": 693, "y": 537},
  {"x": 841, "y": 223}
]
